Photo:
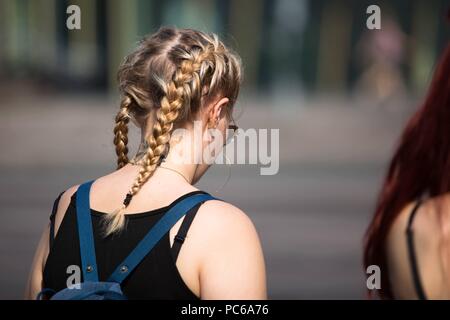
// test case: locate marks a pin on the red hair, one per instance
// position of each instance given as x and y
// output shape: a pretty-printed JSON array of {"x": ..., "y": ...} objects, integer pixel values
[{"x": 421, "y": 164}]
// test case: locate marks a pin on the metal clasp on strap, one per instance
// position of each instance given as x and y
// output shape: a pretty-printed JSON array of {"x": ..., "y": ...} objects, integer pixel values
[{"x": 179, "y": 238}]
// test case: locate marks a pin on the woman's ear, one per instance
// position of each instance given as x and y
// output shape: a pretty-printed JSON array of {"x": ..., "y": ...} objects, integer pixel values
[{"x": 216, "y": 109}]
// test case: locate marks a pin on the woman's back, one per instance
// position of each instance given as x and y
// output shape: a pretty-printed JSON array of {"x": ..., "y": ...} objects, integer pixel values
[
  {"x": 165, "y": 280},
  {"x": 218, "y": 235},
  {"x": 415, "y": 250},
  {"x": 156, "y": 277}
]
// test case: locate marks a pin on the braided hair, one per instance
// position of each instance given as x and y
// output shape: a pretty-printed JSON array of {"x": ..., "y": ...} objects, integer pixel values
[{"x": 173, "y": 71}]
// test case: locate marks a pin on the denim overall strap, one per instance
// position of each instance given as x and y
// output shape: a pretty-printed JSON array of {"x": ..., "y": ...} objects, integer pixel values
[{"x": 85, "y": 233}]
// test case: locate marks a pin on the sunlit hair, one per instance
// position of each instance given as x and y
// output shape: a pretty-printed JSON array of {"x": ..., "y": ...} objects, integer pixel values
[
  {"x": 420, "y": 166},
  {"x": 175, "y": 72}
]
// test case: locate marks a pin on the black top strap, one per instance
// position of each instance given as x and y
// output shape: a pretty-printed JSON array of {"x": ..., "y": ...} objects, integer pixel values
[
  {"x": 412, "y": 254},
  {"x": 52, "y": 219},
  {"x": 182, "y": 232}
]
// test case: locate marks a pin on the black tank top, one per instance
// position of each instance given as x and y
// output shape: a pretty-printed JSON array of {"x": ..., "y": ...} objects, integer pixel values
[{"x": 156, "y": 277}]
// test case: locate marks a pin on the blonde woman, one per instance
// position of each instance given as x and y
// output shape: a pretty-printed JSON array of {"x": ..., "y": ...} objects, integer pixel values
[{"x": 176, "y": 80}]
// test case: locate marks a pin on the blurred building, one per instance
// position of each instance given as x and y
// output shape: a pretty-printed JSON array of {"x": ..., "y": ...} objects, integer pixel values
[{"x": 303, "y": 45}]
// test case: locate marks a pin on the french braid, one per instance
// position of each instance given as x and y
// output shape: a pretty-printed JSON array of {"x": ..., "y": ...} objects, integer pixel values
[{"x": 200, "y": 65}]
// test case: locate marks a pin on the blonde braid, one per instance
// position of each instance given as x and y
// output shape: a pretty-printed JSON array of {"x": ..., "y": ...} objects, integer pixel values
[
  {"x": 178, "y": 94},
  {"x": 121, "y": 132},
  {"x": 175, "y": 72}
]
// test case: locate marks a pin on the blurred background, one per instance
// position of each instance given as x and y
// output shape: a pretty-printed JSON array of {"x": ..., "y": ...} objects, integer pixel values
[{"x": 339, "y": 93}]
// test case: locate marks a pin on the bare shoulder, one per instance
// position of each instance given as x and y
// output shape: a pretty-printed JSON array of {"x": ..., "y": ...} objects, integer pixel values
[
  {"x": 228, "y": 231},
  {"x": 231, "y": 261},
  {"x": 432, "y": 219},
  {"x": 400, "y": 223},
  {"x": 224, "y": 219},
  {"x": 426, "y": 222},
  {"x": 68, "y": 193},
  {"x": 34, "y": 283},
  {"x": 63, "y": 205},
  {"x": 396, "y": 236},
  {"x": 397, "y": 255},
  {"x": 427, "y": 229}
]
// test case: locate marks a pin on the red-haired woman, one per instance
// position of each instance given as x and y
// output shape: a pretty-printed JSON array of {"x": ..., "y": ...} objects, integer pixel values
[{"x": 409, "y": 236}]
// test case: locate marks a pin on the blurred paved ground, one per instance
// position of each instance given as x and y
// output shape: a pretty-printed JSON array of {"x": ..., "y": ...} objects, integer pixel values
[{"x": 310, "y": 216}]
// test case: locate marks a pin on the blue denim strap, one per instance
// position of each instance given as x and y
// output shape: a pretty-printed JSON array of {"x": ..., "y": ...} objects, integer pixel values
[
  {"x": 85, "y": 233},
  {"x": 155, "y": 234},
  {"x": 91, "y": 291}
]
